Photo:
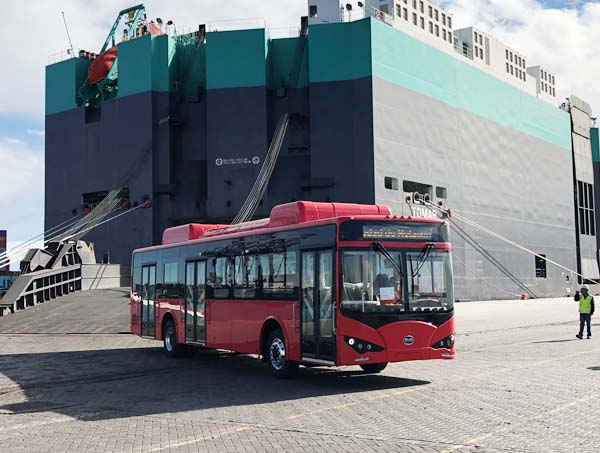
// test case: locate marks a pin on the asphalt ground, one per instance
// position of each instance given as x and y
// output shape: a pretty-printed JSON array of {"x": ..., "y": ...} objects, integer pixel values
[{"x": 71, "y": 379}]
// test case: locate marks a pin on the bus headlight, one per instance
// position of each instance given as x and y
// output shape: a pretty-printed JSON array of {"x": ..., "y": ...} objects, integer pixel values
[
  {"x": 362, "y": 346},
  {"x": 445, "y": 343}
]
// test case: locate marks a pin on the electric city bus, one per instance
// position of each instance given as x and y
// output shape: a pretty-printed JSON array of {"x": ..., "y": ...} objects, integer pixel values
[{"x": 317, "y": 284}]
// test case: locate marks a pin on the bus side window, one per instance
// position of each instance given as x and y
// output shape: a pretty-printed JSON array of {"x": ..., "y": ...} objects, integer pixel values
[
  {"x": 223, "y": 277},
  {"x": 245, "y": 277}
]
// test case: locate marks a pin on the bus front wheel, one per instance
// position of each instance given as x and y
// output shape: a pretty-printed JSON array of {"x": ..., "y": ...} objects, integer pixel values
[
  {"x": 276, "y": 355},
  {"x": 170, "y": 340},
  {"x": 372, "y": 368}
]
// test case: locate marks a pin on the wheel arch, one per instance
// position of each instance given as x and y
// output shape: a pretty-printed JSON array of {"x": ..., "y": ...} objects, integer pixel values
[
  {"x": 269, "y": 325},
  {"x": 168, "y": 316}
]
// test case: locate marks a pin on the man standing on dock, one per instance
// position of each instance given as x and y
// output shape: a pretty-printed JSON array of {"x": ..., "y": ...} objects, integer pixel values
[{"x": 586, "y": 310}]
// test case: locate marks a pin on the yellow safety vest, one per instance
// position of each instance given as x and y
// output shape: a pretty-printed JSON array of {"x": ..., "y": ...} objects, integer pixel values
[{"x": 585, "y": 304}]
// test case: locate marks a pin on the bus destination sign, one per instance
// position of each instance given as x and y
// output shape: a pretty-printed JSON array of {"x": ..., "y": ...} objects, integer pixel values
[
  {"x": 393, "y": 231},
  {"x": 397, "y": 232}
]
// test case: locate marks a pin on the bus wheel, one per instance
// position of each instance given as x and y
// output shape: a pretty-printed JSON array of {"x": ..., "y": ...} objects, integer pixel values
[
  {"x": 374, "y": 367},
  {"x": 281, "y": 367},
  {"x": 170, "y": 340}
]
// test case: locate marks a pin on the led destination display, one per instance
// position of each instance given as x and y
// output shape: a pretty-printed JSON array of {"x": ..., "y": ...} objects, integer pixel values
[{"x": 393, "y": 231}]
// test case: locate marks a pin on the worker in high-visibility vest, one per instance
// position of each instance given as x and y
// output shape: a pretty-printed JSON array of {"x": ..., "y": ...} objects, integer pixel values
[{"x": 586, "y": 310}]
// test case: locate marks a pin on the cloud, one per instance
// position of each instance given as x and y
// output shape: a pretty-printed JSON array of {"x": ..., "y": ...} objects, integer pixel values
[
  {"x": 22, "y": 182},
  {"x": 36, "y": 132},
  {"x": 565, "y": 39}
]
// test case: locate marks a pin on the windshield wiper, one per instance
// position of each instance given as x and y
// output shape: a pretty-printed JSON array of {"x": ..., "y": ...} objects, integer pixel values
[
  {"x": 388, "y": 256},
  {"x": 421, "y": 259}
]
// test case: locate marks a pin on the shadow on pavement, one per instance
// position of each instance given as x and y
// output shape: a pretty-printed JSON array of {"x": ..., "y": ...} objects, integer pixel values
[
  {"x": 116, "y": 383},
  {"x": 555, "y": 341},
  {"x": 594, "y": 368}
]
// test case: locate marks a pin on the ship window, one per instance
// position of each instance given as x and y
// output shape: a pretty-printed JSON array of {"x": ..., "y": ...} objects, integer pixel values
[
  {"x": 415, "y": 18},
  {"x": 391, "y": 183},
  {"x": 411, "y": 187},
  {"x": 405, "y": 14},
  {"x": 437, "y": 30},
  {"x": 399, "y": 10},
  {"x": 443, "y": 19},
  {"x": 430, "y": 11},
  {"x": 540, "y": 266},
  {"x": 312, "y": 11},
  {"x": 449, "y": 22}
]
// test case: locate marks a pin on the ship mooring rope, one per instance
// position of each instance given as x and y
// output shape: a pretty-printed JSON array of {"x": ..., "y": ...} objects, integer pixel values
[
  {"x": 452, "y": 214},
  {"x": 260, "y": 185}
]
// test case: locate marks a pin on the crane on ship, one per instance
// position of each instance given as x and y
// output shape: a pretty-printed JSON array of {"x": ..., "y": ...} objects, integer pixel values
[{"x": 103, "y": 72}]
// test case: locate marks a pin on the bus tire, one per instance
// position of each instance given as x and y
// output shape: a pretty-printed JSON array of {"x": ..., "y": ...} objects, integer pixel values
[
  {"x": 275, "y": 350},
  {"x": 172, "y": 348},
  {"x": 372, "y": 368}
]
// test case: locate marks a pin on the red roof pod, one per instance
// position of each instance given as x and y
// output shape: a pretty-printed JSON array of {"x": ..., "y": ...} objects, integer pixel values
[
  {"x": 306, "y": 211},
  {"x": 187, "y": 232},
  {"x": 281, "y": 215}
]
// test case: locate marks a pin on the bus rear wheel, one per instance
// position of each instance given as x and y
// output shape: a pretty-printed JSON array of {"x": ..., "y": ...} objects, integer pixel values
[
  {"x": 170, "y": 340},
  {"x": 275, "y": 352},
  {"x": 373, "y": 368}
]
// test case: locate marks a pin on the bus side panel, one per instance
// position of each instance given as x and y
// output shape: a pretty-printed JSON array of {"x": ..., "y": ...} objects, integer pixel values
[
  {"x": 173, "y": 308},
  {"x": 218, "y": 324},
  {"x": 249, "y": 317}
]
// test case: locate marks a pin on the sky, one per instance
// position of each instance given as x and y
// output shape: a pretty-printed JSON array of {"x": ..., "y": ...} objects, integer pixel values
[{"x": 563, "y": 35}]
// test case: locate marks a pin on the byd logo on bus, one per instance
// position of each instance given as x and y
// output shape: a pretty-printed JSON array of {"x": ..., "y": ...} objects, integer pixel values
[{"x": 408, "y": 340}]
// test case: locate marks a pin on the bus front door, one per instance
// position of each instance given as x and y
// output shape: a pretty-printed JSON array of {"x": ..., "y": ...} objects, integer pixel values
[
  {"x": 318, "y": 307},
  {"x": 195, "y": 302},
  {"x": 148, "y": 299}
]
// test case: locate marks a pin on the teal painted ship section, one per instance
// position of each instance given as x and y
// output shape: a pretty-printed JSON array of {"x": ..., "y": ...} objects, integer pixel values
[
  {"x": 405, "y": 61},
  {"x": 340, "y": 51},
  {"x": 335, "y": 52},
  {"x": 145, "y": 64},
  {"x": 236, "y": 59},
  {"x": 595, "y": 140},
  {"x": 62, "y": 81},
  {"x": 285, "y": 58}
]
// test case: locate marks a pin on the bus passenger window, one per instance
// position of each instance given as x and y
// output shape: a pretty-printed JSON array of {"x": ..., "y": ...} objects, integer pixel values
[
  {"x": 245, "y": 277},
  {"x": 223, "y": 278},
  {"x": 279, "y": 274}
]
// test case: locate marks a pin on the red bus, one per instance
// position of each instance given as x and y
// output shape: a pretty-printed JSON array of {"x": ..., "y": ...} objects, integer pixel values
[{"x": 318, "y": 284}]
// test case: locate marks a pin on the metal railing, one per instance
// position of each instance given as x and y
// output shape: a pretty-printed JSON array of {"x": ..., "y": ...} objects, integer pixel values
[
  {"x": 41, "y": 286},
  {"x": 236, "y": 24},
  {"x": 284, "y": 32},
  {"x": 376, "y": 13},
  {"x": 63, "y": 55}
]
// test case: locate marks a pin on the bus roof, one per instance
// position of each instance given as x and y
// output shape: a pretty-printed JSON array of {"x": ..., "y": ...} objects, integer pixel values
[{"x": 285, "y": 215}]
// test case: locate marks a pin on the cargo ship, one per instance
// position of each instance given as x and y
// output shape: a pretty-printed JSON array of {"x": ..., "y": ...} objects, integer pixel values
[{"x": 386, "y": 101}]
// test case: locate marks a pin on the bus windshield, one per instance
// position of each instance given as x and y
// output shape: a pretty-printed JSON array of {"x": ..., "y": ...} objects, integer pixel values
[{"x": 371, "y": 283}]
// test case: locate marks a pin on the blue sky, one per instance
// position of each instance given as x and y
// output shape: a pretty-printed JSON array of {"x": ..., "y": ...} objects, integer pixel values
[{"x": 560, "y": 34}]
